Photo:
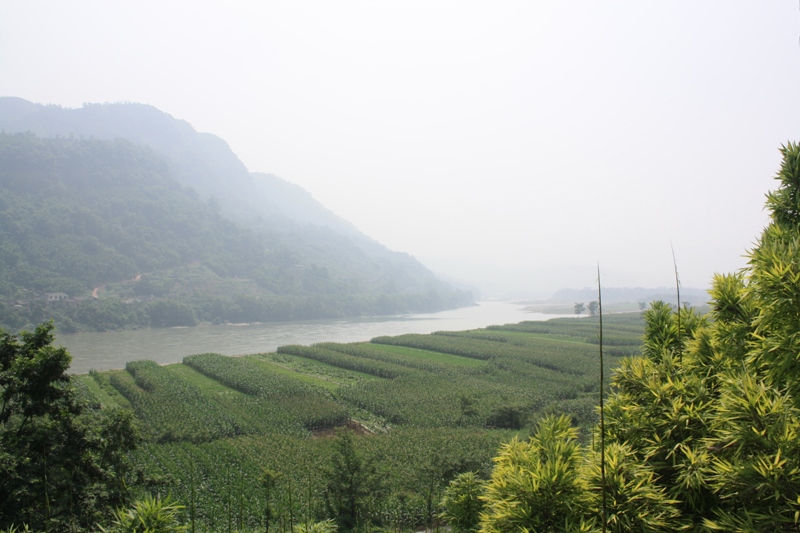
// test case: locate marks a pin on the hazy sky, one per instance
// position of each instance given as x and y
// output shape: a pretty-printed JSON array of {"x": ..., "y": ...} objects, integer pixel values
[{"x": 537, "y": 135}]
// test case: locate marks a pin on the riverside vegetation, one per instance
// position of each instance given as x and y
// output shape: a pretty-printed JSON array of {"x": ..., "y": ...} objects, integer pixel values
[
  {"x": 702, "y": 427},
  {"x": 238, "y": 441}
]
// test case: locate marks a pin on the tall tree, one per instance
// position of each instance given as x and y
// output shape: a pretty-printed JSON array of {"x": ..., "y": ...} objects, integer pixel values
[
  {"x": 62, "y": 464},
  {"x": 703, "y": 427},
  {"x": 462, "y": 504},
  {"x": 351, "y": 481},
  {"x": 714, "y": 406}
]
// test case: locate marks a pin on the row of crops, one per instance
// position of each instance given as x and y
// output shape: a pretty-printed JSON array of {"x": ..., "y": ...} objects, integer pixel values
[
  {"x": 432, "y": 406},
  {"x": 223, "y": 478},
  {"x": 622, "y": 333}
]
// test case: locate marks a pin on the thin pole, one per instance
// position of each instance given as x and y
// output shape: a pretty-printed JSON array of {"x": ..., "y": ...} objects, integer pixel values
[
  {"x": 602, "y": 415},
  {"x": 678, "y": 291}
]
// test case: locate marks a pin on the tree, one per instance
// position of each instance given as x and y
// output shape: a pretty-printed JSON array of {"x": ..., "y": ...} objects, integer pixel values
[
  {"x": 150, "y": 515},
  {"x": 441, "y": 465},
  {"x": 703, "y": 429},
  {"x": 461, "y": 504},
  {"x": 579, "y": 308},
  {"x": 62, "y": 464},
  {"x": 592, "y": 307},
  {"x": 537, "y": 485},
  {"x": 551, "y": 483},
  {"x": 351, "y": 481},
  {"x": 713, "y": 406},
  {"x": 269, "y": 480}
]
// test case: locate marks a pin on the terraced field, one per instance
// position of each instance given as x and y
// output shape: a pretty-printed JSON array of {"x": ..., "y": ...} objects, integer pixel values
[{"x": 426, "y": 407}]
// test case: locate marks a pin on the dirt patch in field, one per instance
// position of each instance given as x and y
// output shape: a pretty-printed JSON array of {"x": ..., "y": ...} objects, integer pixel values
[{"x": 353, "y": 425}]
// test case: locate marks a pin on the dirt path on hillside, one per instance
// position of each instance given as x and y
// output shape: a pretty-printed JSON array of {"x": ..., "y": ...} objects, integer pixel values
[{"x": 99, "y": 288}]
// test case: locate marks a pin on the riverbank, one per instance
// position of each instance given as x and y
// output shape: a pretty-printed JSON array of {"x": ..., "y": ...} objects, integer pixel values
[{"x": 112, "y": 349}]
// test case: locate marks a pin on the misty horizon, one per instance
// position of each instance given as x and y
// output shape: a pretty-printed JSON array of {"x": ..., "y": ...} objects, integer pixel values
[{"x": 523, "y": 143}]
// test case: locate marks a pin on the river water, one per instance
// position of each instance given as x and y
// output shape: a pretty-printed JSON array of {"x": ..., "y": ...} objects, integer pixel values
[{"x": 112, "y": 349}]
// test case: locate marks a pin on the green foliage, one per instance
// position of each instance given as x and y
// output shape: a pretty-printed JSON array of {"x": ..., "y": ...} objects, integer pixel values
[
  {"x": 352, "y": 479},
  {"x": 285, "y": 403},
  {"x": 622, "y": 333},
  {"x": 15, "y": 529},
  {"x": 148, "y": 515},
  {"x": 537, "y": 485},
  {"x": 461, "y": 504},
  {"x": 713, "y": 408},
  {"x": 62, "y": 464},
  {"x": 430, "y": 416},
  {"x": 550, "y": 483},
  {"x": 703, "y": 429},
  {"x": 343, "y": 360},
  {"x": 171, "y": 409},
  {"x": 168, "y": 313},
  {"x": 325, "y": 526},
  {"x": 33, "y": 376},
  {"x": 268, "y": 480},
  {"x": 635, "y": 501},
  {"x": 78, "y": 214}
]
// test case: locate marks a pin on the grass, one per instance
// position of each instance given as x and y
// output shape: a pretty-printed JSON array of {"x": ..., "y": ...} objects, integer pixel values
[
  {"x": 309, "y": 371},
  {"x": 126, "y": 378},
  {"x": 190, "y": 375},
  {"x": 232, "y": 400},
  {"x": 438, "y": 410},
  {"x": 428, "y": 355},
  {"x": 103, "y": 396},
  {"x": 525, "y": 338}
]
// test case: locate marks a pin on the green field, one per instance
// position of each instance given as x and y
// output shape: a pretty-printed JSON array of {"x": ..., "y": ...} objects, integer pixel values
[{"x": 424, "y": 407}]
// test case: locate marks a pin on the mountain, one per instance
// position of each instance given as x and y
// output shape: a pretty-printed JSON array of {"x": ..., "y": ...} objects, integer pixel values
[
  {"x": 200, "y": 160},
  {"x": 165, "y": 226},
  {"x": 626, "y": 294}
]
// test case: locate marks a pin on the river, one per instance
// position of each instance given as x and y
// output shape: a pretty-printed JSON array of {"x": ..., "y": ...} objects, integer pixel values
[{"x": 112, "y": 349}]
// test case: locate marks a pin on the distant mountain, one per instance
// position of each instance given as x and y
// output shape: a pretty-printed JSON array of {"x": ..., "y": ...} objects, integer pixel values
[
  {"x": 200, "y": 160},
  {"x": 637, "y": 294},
  {"x": 174, "y": 229}
]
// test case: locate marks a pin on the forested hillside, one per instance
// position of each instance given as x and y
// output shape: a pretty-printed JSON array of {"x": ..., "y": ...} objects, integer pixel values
[
  {"x": 83, "y": 214},
  {"x": 199, "y": 160}
]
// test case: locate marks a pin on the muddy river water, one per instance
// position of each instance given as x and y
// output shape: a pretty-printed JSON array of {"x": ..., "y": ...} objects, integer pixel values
[{"x": 109, "y": 350}]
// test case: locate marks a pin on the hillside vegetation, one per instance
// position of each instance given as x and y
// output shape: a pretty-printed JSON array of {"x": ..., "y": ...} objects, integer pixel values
[
  {"x": 128, "y": 199},
  {"x": 80, "y": 214}
]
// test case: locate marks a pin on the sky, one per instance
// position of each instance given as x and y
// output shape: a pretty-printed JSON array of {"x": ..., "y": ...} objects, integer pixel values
[{"x": 513, "y": 143}]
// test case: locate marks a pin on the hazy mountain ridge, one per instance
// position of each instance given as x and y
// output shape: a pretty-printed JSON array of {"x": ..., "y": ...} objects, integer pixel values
[
  {"x": 79, "y": 211},
  {"x": 200, "y": 160},
  {"x": 632, "y": 294}
]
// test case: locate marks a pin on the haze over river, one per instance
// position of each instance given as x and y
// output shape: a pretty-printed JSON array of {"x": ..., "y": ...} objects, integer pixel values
[{"x": 112, "y": 349}]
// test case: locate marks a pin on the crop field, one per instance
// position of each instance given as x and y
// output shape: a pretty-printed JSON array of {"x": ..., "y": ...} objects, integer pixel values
[{"x": 423, "y": 408}]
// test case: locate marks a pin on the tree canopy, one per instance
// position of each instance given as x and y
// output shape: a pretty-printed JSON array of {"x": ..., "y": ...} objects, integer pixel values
[
  {"x": 703, "y": 429},
  {"x": 62, "y": 463}
]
